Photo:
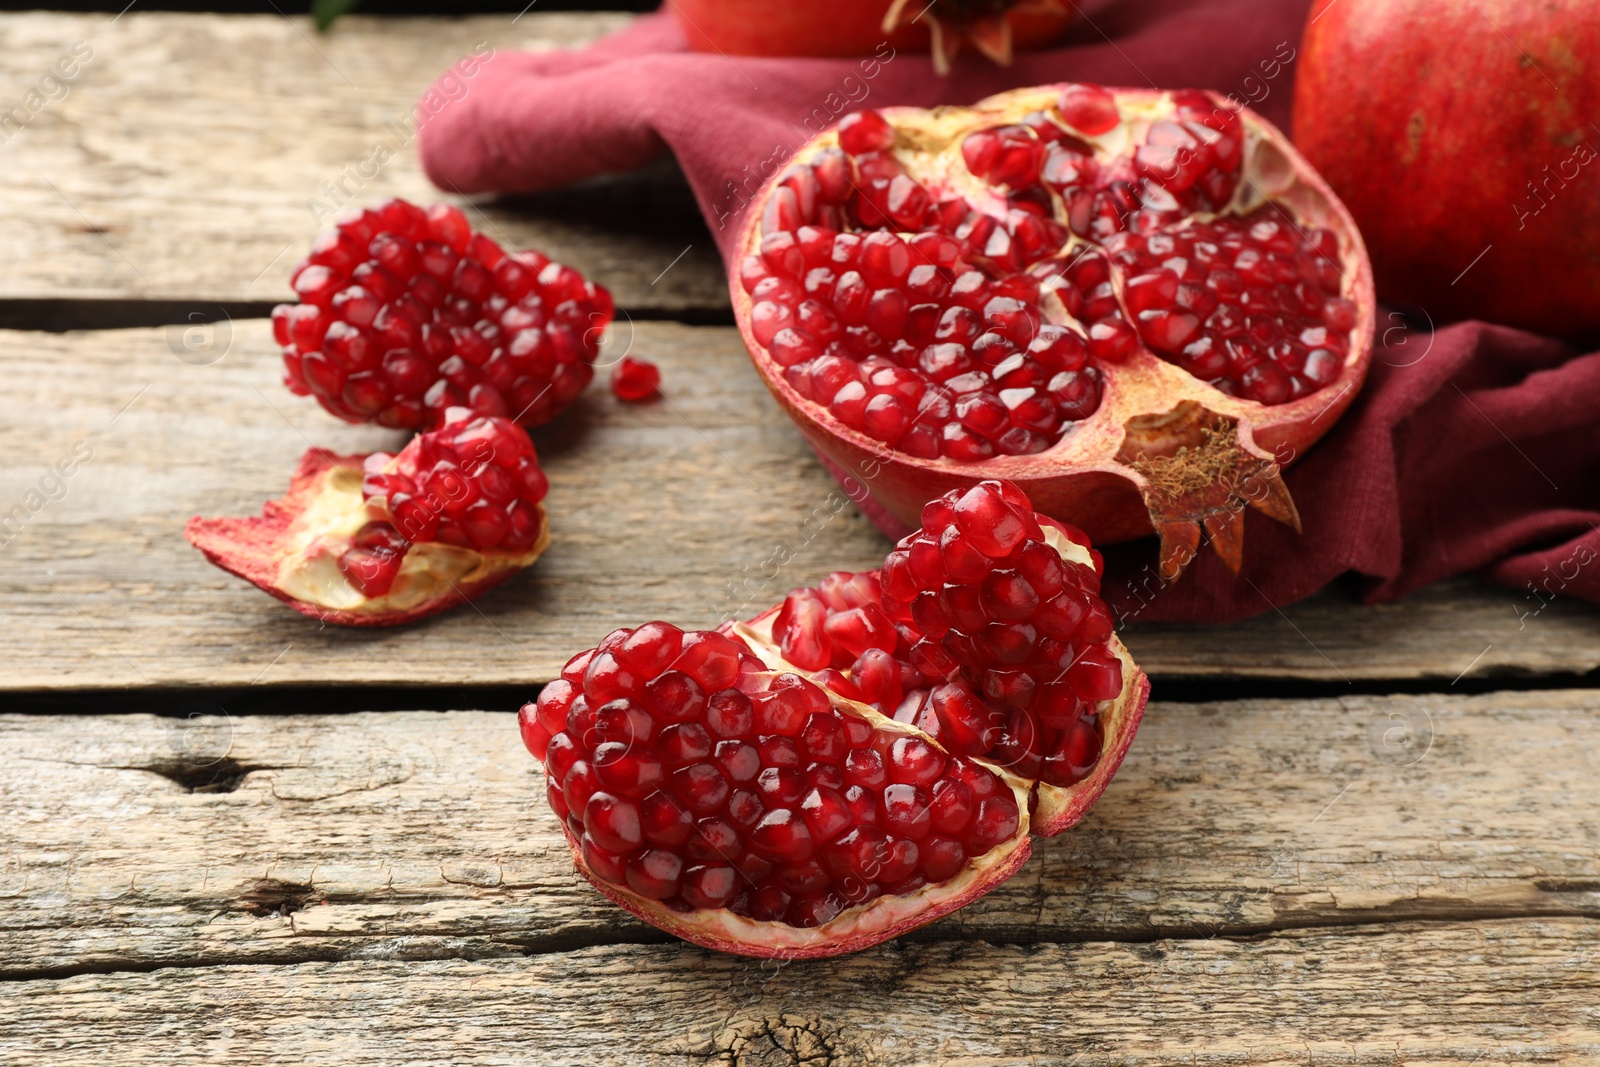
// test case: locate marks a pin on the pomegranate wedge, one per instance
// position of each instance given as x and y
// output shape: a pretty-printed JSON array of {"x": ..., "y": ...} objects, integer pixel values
[
  {"x": 385, "y": 539},
  {"x": 861, "y": 760},
  {"x": 1136, "y": 305}
]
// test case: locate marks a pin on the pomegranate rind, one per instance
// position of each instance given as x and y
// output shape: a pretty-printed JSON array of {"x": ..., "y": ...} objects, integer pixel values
[
  {"x": 1091, "y": 477},
  {"x": 1058, "y": 808},
  {"x": 255, "y": 548},
  {"x": 855, "y": 928},
  {"x": 851, "y": 931}
]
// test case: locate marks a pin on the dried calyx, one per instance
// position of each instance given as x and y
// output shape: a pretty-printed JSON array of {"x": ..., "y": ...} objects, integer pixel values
[{"x": 988, "y": 25}]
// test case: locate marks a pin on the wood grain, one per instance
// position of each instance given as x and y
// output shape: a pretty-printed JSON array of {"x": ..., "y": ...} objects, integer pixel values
[
  {"x": 184, "y": 162},
  {"x": 130, "y": 842},
  {"x": 664, "y": 510},
  {"x": 1502, "y": 992}
]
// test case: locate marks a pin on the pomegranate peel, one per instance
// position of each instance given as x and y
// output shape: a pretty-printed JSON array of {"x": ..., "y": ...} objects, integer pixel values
[
  {"x": 1138, "y": 306},
  {"x": 865, "y": 758},
  {"x": 854, "y": 928},
  {"x": 332, "y": 546}
]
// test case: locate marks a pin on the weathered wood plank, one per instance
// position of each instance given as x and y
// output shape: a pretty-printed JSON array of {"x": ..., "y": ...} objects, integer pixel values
[
  {"x": 423, "y": 835},
  {"x": 654, "y": 509},
  {"x": 1517, "y": 992},
  {"x": 667, "y": 510},
  {"x": 1454, "y": 630},
  {"x": 660, "y": 511},
  {"x": 190, "y": 154}
]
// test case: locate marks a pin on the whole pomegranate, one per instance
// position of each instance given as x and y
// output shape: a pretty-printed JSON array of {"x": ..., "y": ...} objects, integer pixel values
[
  {"x": 861, "y": 27},
  {"x": 862, "y": 759},
  {"x": 1134, "y": 304},
  {"x": 1461, "y": 136}
]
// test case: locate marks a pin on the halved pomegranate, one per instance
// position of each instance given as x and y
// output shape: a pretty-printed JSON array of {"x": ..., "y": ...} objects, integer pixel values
[
  {"x": 382, "y": 539},
  {"x": 1136, "y": 305},
  {"x": 866, "y": 757},
  {"x": 858, "y": 27}
]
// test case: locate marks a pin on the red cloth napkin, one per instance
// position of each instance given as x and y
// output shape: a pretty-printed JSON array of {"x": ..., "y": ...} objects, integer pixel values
[{"x": 1475, "y": 447}]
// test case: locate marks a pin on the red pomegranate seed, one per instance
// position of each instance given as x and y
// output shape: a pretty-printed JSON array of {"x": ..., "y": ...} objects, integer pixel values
[
  {"x": 865, "y": 131},
  {"x": 635, "y": 380},
  {"x": 1089, "y": 109},
  {"x": 1004, "y": 155}
]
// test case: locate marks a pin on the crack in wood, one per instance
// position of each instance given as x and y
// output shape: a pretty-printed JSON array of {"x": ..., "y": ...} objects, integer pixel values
[
  {"x": 270, "y": 896},
  {"x": 281, "y": 899}
]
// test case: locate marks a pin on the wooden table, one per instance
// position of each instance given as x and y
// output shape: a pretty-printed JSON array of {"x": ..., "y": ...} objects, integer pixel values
[{"x": 228, "y": 835}]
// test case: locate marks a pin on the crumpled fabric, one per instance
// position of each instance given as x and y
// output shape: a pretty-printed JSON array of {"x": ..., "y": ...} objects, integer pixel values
[{"x": 1473, "y": 448}]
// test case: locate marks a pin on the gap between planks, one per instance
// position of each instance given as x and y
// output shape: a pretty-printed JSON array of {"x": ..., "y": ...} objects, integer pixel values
[{"x": 1376, "y": 923}]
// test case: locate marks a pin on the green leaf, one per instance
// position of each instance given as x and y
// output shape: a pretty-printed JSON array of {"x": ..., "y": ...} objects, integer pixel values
[{"x": 326, "y": 12}]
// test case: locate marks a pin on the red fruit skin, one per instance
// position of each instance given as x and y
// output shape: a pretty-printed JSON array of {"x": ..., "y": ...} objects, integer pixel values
[
  {"x": 916, "y": 914},
  {"x": 1431, "y": 120},
  {"x": 1079, "y": 479},
  {"x": 253, "y": 547},
  {"x": 831, "y": 27}
]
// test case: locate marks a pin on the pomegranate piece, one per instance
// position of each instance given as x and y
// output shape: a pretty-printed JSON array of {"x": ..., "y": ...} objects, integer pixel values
[
  {"x": 1131, "y": 303},
  {"x": 635, "y": 380},
  {"x": 383, "y": 539},
  {"x": 405, "y": 313},
  {"x": 819, "y": 779}
]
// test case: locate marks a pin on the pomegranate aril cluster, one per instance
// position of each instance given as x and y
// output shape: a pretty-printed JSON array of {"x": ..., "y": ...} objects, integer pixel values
[
  {"x": 405, "y": 313},
  {"x": 915, "y": 318},
  {"x": 1016, "y": 634},
  {"x": 976, "y": 631},
  {"x": 690, "y": 775},
  {"x": 474, "y": 483},
  {"x": 1186, "y": 164},
  {"x": 901, "y": 341},
  {"x": 1251, "y": 304}
]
